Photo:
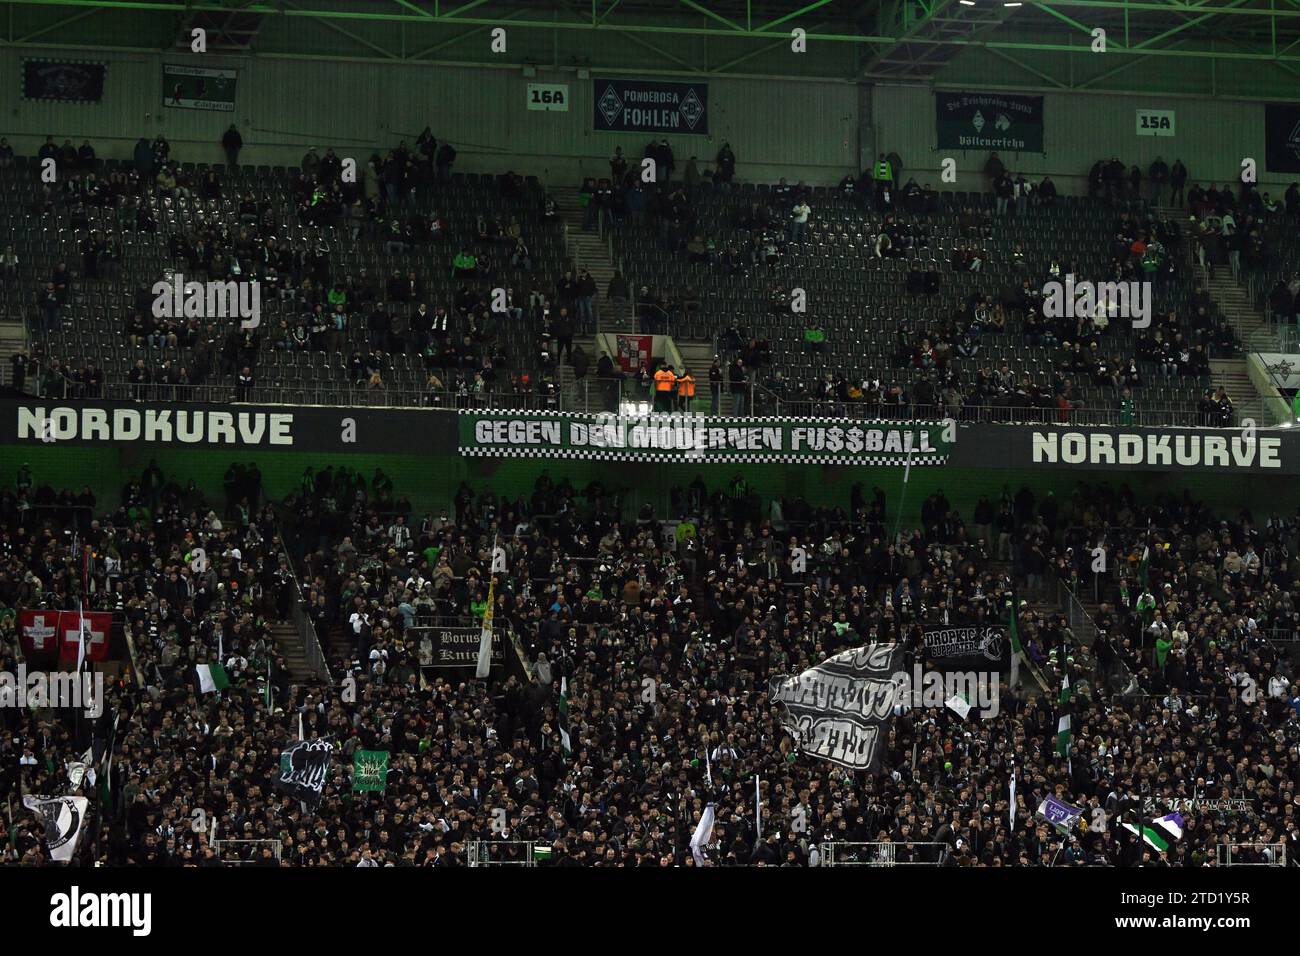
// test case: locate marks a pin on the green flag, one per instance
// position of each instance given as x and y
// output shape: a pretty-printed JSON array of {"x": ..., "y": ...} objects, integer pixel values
[
  {"x": 1064, "y": 729},
  {"x": 1144, "y": 567},
  {"x": 370, "y": 770}
]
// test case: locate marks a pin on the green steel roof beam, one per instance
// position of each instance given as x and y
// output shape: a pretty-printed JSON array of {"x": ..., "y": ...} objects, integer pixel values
[
  {"x": 56, "y": 25},
  {"x": 1029, "y": 69},
  {"x": 1184, "y": 26},
  {"x": 816, "y": 5},
  {"x": 700, "y": 8},
  {"x": 410, "y": 6}
]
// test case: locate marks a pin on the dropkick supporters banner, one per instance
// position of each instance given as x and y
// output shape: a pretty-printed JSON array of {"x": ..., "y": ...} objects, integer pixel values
[
  {"x": 836, "y": 710},
  {"x": 989, "y": 121},
  {"x": 650, "y": 106},
  {"x": 695, "y": 438},
  {"x": 976, "y": 648}
]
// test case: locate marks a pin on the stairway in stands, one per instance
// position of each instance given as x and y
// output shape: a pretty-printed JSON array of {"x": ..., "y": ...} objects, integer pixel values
[
  {"x": 1246, "y": 321},
  {"x": 13, "y": 338},
  {"x": 289, "y": 642}
]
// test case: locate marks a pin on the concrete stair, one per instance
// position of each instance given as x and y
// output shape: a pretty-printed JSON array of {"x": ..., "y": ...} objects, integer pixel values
[
  {"x": 289, "y": 642},
  {"x": 1231, "y": 375},
  {"x": 589, "y": 250},
  {"x": 1232, "y": 300},
  {"x": 1250, "y": 325},
  {"x": 13, "y": 339}
]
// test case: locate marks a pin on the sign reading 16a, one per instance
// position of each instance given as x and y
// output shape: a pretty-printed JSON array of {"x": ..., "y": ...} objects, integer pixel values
[{"x": 547, "y": 96}]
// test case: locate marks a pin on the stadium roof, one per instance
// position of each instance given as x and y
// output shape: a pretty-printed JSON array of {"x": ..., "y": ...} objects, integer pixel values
[{"x": 1244, "y": 46}]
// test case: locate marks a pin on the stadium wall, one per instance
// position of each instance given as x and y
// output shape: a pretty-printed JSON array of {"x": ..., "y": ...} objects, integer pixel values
[
  {"x": 812, "y": 129},
  {"x": 431, "y": 481}
]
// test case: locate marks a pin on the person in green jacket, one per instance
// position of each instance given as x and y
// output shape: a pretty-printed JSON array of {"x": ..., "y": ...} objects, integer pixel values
[
  {"x": 1127, "y": 409},
  {"x": 814, "y": 338},
  {"x": 465, "y": 264},
  {"x": 1163, "y": 644}
]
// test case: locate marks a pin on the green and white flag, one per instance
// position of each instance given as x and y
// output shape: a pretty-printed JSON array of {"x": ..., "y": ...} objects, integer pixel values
[
  {"x": 1144, "y": 567},
  {"x": 1163, "y": 831},
  {"x": 212, "y": 677},
  {"x": 1064, "y": 729},
  {"x": 370, "y": 770}
]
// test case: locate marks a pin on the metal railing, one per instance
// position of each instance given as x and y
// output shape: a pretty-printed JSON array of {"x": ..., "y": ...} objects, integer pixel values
[
  {"x": 495, "y": 853},
  {"x": 276, "y": 846},
  {"x": 594, "y": 393},
  {"x": 313, "y": 653},
  {"x": 883, "y": 854},
  {"x": 325, "y": 394},
  {"x": 1251, "y": 854}
]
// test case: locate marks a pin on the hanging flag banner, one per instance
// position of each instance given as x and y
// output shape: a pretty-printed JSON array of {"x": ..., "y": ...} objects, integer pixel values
[
  {"x": 837, "y": 710},
  {"x": 702, "y": 439},
  {"x": 98, "y": 626},
  {"x": 197, "y": 88},
  {"x": 370, "y": 770},
  {"x": 39, "y": 631},
  {"x": 47, "y": 632},
  {"x": 1282, "y": 137},
  {"x": 63, "y": 819},
  {"x": 67, "y": 81},
  {"x": 634, "y": 351},
  {"x": 304, "y": 766},
  {"x": 454, "y": 646},
  {"x": 989, "y": 121},
  {"x": 967, "y": 648},
  {"x": 650, "y": 106}
]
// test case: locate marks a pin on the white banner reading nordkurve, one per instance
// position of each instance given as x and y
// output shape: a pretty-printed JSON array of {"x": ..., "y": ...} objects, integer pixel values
[{"x": 838, "y": 709}]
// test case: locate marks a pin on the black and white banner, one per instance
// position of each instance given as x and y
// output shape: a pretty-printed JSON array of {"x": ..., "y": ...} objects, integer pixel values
[
  {"x": 63, "y": 818},
  {"x": 304, "y": 767},
  {"x": 970, "y": 648},
  {"x": 67, "y": 81},
  {"x": 453, "y": 646},
  {"x": 199, "y": 88},
  {"x": 839, "y": 710},
  {"x": 1282, "y": 137},
  {"x": 650, "y": 106}
]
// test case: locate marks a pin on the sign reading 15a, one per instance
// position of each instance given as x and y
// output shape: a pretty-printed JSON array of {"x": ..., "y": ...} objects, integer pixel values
[
  {"x": 552, "y": 97},
  {"x": 1155, "y": 122}
]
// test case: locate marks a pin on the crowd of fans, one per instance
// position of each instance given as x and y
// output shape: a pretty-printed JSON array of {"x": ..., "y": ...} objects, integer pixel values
[{"x": 648, "y": 642}]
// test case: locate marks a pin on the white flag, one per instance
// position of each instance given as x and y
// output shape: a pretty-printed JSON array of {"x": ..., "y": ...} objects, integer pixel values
[
  {"x": 1012, "y": 812},
  {"x": 498, "y": 560},
  {"x": 703, "y": 835},
  {"x": 958, "y": 705},
  {"x": 63, "y": 818}
]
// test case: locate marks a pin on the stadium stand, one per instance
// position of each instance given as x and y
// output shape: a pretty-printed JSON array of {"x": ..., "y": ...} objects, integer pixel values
[{"x": 604, "y": 606}]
